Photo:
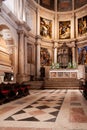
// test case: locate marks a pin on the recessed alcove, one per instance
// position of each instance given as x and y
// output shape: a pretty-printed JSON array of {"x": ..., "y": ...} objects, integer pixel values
[
  {"x": 61, "y": 22},
  {"x": 41, "y": 27},
  {"x": 6, "y": 54}
]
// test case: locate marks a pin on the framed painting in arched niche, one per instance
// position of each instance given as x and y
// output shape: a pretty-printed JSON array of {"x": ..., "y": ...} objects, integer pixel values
[
  {"x": 82, "y": 55},
  {"x": 45, "y": 56},
  {"x": 45, "y": 28},
  {"x": 29, "y": 53},
  {"x": 64, "y": 30},
  {"x": 82, "y": 26}
]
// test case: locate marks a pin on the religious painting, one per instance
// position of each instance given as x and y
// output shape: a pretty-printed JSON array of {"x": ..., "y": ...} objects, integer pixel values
[
  {"x": 64, "y": 5},
  {"x": 73, "y": 75},
  {"x": 79, "y": 3},
  {"x": 45, "y": 58},
  {"x": 82, "y": 58},
  {"x": 60, "y": 74},
  {"x": 66, "y": 75},
  {"x": 53, "y": 74},
  {"x": 64, "y": 29},
  {"x": 82, "y": 26},
  {"x": 29, "y": 53},
  {"x": 46, "y": 28},
  {"x": 49, "y": 4}
]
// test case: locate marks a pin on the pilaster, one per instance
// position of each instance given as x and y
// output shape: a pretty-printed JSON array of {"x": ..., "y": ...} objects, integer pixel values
[
  {"x": 37, "y": 22},
  {"x": 21, "y": 56},
  {"x": 21, "y": 52},
  {"x": 55, "y": 51},
  {"x": 37, "y": 58},
  {"x": 73, "y": 26},
  {"x": 55, "y": 22},
  {"x": 73, "y": 52}
]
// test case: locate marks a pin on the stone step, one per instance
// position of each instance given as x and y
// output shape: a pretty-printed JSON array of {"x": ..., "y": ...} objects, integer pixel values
[
  {"x": 35, "y": 84},
  {"x": 55, "y": 84},
  {"x": 62, "y": 83},
  {"x": 61, "y": 87},
  {"x": 61, "y": 79},
  {"x": 46, "y": 86}
]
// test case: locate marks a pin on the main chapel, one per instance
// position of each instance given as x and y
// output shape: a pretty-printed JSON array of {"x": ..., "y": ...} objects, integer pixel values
[{"x": 43, "y": 64}]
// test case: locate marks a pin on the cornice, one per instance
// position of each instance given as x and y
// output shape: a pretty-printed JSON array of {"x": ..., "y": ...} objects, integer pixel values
[
  {"x": 6, "y": 14},
  {"x": 67, "y": 40},
  {"x": 38, "y": 37},
  {"x": 31, "y": 4},
  {"x": 13, "y": 20},
  {"x": 23, "y": 26},
  {"x": 80, "y": 39}
]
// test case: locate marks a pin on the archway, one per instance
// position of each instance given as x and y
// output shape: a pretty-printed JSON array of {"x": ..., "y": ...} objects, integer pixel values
[{"x": 6, "y": 51}]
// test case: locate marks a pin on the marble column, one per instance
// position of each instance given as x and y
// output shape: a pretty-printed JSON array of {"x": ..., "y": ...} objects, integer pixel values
[
  {"x": 38, "y": 60},
  {"x": 37, "y": 74},
  {"x": 55, "y": 33},
  {"x": 55, "y": 22},
  {"x": 55, "y": 55},
  {"x": 72, "y": 26},
  {"x": 37, "y": 22},
  {"x": 25, "y": 54},
  {"x": 76, "y": 51},
  {"x": 16, "y": 8},
  {"x": 21, "y": 53},
  {"x": 55, "y": 27},
  {"x": 37, "y": 45},
  {"x": 22, "y": 9},
  {"x": 19, "y": 9},
  {"x": 55, "y": 52},
  {"x": 73, "y": 53}
]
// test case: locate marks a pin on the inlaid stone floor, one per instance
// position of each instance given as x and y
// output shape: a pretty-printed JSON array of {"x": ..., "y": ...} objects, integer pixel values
[{"x": 45, "y": 110}]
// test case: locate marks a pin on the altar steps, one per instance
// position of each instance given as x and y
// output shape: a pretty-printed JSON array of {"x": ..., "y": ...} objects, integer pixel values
[
  {"x": 34, "y": 84},
  {"x": 61, "y": 83}
]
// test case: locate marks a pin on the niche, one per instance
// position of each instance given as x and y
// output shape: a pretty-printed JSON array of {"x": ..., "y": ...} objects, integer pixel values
[
  {"x": 8, "y": 76},
  {"x": 64, "y": 56}
]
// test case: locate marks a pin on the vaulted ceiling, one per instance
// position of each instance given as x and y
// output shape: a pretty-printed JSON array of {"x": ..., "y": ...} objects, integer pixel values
[{"x": 62, "y": 5}]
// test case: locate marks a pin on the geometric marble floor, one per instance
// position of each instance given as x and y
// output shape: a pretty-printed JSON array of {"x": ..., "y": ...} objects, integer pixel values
[{"x": 46, "y": 110}]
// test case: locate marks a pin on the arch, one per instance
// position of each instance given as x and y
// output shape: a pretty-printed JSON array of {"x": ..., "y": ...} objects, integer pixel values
[{"x": 7, "y": 47}]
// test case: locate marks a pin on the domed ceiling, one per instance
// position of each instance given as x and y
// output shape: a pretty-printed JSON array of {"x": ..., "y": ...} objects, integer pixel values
[{"x": 62, "y": 5}]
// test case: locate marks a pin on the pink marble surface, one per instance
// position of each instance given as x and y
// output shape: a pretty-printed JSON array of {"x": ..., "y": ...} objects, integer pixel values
[
  {"x": 37, "y": 112},
  {"x": 6, "y": 109},
  {"x": 71, "y": 116},
  {"x": 10, "y": 128},
  {"x": 78, "y": 115},
  {"x": 74, "y": 98}
]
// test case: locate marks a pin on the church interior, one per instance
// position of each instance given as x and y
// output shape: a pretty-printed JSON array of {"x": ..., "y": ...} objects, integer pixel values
[{"x": 43, "y": 64}]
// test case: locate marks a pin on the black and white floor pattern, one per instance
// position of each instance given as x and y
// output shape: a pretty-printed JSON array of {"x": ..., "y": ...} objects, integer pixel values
[{"x": 45, "y": 109}]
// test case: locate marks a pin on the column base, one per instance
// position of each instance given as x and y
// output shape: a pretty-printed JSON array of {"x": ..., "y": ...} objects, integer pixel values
[{"x": 22, "y": 78}]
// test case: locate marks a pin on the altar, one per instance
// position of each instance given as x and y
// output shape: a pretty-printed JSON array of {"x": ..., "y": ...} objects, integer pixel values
[
  {"x": 63, "y": 73},
  {"x": 77, "y": 73}
]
